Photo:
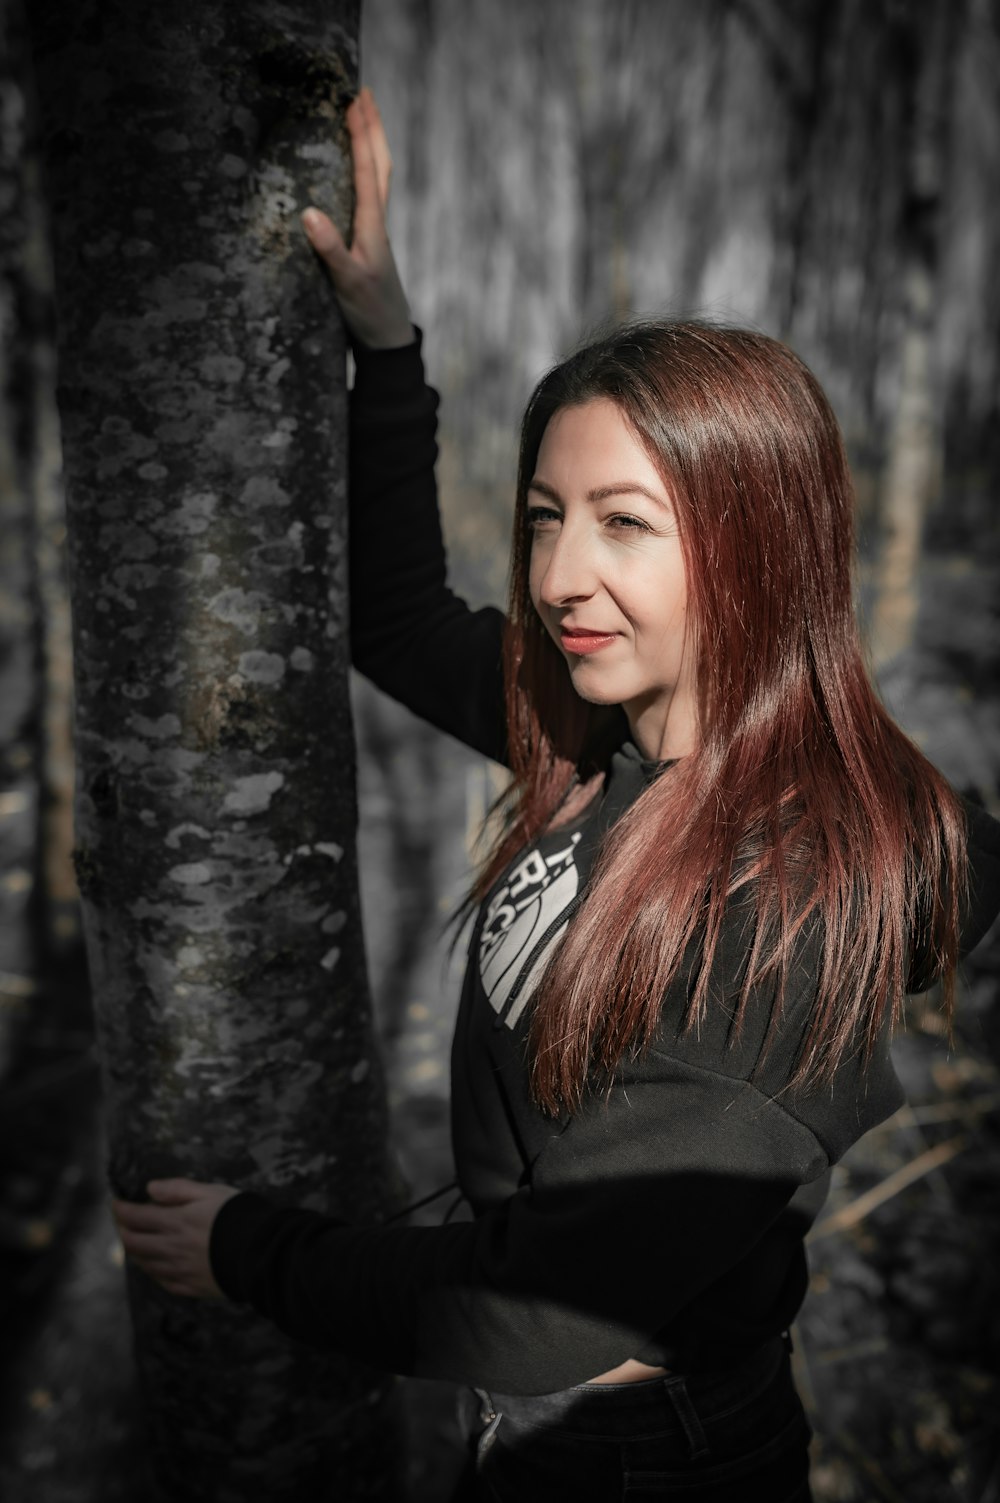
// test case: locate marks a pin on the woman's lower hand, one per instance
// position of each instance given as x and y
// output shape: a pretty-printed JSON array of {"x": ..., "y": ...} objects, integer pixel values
[
  {"x": 167, "y": 1237},
  {"x": 365, "y": 278}
]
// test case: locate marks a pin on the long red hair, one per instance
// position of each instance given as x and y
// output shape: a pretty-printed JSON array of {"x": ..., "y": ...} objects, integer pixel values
[{"x": 803, "y": 797}]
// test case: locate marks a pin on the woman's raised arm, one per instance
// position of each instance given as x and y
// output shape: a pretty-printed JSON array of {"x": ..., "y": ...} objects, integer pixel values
[{"x": 410, "y": 634}]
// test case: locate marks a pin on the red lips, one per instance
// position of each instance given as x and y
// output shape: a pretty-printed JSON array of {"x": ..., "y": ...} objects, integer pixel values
[{"x": 579, "y": 639}]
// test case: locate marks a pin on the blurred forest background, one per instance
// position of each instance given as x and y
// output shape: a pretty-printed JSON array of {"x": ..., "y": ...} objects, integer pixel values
[{"x": 823, "y": 170}]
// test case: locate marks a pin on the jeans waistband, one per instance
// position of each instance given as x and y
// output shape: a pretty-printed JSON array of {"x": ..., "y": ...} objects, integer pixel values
[{"x": 612, "y": 1408}]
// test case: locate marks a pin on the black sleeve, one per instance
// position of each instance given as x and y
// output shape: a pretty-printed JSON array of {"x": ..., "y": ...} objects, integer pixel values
[
  {"x": 410, "y": 634},
  {"x": 635, "y": 1207}
]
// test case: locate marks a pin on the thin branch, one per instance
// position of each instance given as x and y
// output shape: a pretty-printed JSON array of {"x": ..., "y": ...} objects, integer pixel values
[
  {"x": 876, "y": 1475},
  {"x": 857, "y": 1210},
  {"x": 16, "y": 987},
  {"x": 941, "y": 1111}
]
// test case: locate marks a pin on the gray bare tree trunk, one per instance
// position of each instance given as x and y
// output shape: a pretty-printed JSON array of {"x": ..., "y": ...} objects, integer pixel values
[
  {"x": 19, "y": 782},
  {"x": 57, "y": 901},
  {"x": 202, "y": 402},
  {"x": 914, "y": 472}
]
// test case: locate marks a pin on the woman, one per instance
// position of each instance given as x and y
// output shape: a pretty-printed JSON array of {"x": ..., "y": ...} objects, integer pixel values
[{"x": 722, "y": 865}]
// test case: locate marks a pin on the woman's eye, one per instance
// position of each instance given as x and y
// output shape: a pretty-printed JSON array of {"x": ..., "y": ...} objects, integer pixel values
[
  {"x": 634, "y": 524},
  {"x": 537, "y": 516}
]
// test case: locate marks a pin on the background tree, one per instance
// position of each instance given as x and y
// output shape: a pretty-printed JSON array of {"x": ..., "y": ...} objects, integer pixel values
[
  {"x": 202, "y": 403},
  {"x": 36, "y": 598},
  {"x": 16, "y": 662},
  {"x": 925, "y": 47}
]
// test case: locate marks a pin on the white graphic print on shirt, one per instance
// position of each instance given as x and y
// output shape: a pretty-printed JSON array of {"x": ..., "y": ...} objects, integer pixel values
[{"x": 534, "y": 894}]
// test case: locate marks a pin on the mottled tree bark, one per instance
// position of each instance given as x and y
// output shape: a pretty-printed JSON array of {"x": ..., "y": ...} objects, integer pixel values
[{"x": 202, "y": 401}]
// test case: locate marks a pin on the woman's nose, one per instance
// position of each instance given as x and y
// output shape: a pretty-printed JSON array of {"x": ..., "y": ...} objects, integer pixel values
[{"x": 569, "y": 572}]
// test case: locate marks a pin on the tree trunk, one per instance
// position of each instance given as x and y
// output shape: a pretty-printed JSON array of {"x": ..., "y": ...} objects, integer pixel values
[
  {"x": 202, "y": 400},
  {"x": 915, "y": 459},
  {"x": 18, "y": 770},
  {"x": 57, "y": 901}
]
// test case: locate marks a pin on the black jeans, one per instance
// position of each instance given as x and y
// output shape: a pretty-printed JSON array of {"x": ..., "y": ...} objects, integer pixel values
[{"x": 739, "y": 1436}]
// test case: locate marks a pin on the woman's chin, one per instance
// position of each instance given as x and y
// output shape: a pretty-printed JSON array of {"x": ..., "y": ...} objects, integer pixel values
[{"x": 592, "y": 693}]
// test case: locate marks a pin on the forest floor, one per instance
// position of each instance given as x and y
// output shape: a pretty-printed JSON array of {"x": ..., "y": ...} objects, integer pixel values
[{"x": 898, "y": 1343}]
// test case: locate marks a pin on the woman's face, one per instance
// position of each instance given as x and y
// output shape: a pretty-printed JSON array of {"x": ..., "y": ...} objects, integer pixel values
[{"x": 607, "y": 574}]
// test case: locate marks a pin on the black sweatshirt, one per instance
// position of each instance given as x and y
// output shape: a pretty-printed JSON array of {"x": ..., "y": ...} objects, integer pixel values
[{"x": 665, "y": 1222}]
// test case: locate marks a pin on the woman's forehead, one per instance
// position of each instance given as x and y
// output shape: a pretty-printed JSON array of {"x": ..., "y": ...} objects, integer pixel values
[{"x": 592, "y": 449}]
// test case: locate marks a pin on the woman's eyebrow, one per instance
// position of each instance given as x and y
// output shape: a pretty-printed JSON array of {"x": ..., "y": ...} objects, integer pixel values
[{"x": 601, "y": 492}]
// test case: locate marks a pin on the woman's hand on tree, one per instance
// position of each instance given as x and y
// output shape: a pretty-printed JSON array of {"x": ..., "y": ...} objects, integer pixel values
[
  {"x": 168, "y": 1238},
  {"x": 365, "y": 278}
]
